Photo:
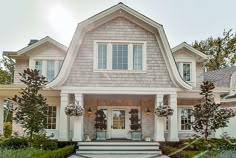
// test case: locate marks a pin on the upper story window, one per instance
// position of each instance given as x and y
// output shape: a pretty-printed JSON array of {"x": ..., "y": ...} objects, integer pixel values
[
  {"x": 48, "y": 68},
  {"x": 185, "y": 71},
  {"x": 120, "y": 56},
  {"x": 39, "y": 66}
]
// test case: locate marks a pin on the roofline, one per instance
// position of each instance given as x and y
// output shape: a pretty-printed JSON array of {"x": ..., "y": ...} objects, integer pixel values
[
  {"x": 81, "y": 29},
  {"x": 40, "y": 42},
  {"x": 189, "y": 47}
]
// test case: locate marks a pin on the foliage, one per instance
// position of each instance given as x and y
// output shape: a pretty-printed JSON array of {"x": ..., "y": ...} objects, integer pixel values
[
  {"x": 42, "y": 141},
  {"x": 15, "y": 143},
  {"x": 6, "y": 73},
  {"x": 221, "y": 50},
  {"x": 164, "y": 111},
  {"x": 7, "y": 129},
  {"x": 35, "y": 153},
  {"x": 183, "y": 154},
  {"x": 208, "y": 116},
  {"x": 134, "y": 120},
  {"x": 31, "y": 106},
  {"x": 101, "y": 120}
]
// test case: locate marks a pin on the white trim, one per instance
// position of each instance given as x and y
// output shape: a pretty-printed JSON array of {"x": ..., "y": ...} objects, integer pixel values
[
  {"x": 81, "y": 30},
  {"x": 109, "y": 56},
  {"x": 40, "y": 42},
  {"x": 193, "y": 50}
]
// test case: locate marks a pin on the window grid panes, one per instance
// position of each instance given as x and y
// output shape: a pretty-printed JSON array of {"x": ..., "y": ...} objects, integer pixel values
[
  {"x": 50, "y": 70},
  {"x": 186, "y": 72},
  {"x": 39, "y": 66},
  {"x": 137, "y": 57},
  {"x": 185, "y": 119},
  {"x": 51, "y": 117},
  {"x": 119, "y": 56},
  {"x": 102, "y": 56}
]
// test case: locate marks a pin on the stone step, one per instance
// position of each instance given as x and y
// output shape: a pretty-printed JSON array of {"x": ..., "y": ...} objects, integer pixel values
[
  {"x": 119, "y": 147},
  {"x": 117, "y": 152},
  {"x": 120, "y": 143}
]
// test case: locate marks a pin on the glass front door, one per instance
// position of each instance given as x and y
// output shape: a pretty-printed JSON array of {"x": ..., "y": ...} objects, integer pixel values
[{"x": 119, "y": 123}]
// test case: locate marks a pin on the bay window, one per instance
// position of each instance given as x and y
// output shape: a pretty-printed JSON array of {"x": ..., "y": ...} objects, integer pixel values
[{"x": 120, "y": 56}]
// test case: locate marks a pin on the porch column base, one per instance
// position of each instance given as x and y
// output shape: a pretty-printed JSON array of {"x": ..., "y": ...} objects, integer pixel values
[
  {"x": 76, "y": 139},
  {"x": 173, "y": 139},
  {"x": 63, "y": 139}
]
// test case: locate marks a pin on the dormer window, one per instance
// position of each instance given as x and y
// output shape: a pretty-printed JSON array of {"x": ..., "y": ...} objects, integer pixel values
[
  {"x": 120, "y": 56},
  {"x": 185, "y": 71}
]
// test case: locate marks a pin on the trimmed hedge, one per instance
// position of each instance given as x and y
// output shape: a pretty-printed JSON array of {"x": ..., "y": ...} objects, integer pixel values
[
  {"x": 59, "y": 153},
  {"x": 183, "y": 154}
]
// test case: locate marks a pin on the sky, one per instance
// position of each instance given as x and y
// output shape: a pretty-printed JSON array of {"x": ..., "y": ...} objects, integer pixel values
[{"x": 183, "y": 20}]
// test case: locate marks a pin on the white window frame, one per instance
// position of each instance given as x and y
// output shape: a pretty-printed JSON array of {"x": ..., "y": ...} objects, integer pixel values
[
  {"x": 109, "y": 56},
  {"x": 52, "y": 117},
  {"x": 179, "y": 117},
  {"x": 193, "y": 72},
  {"x": 44, "y": 65}
]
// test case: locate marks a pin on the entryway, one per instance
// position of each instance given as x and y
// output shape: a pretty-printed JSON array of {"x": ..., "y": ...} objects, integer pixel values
[{"x": 118, "y": 123}]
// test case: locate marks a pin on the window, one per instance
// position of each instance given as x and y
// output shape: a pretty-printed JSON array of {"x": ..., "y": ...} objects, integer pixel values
[
  {"x": 185, "y": 118},
  {"x": 60, "y": 64},
  {"x": 137, "y": 57},
  {"x": 102, "y": 56},
  {"x": 50, "y": 70},
  {"x": 51, "y": 117},
  {"x": 39, "y": 66},
  {"x": 185, "y": 71},
  {"x": 120, "y": 57}
]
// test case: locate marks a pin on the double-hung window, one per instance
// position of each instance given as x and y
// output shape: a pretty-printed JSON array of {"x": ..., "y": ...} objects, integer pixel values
[
  {"x": 51, "y": 117},
  {"x": 39, "y": 66},
  {"x": 185, "y": 115},
  {"x": 120, "y": 56},
  {"x": 50, "y": 70}
]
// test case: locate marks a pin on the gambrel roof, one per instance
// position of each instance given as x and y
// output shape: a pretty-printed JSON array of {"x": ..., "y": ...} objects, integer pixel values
[{"x": 119, "y": 10}]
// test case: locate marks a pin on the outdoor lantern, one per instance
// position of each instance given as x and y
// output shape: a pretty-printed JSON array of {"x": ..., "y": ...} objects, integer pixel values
[
  {"x": 148, "y": 112},
  {"x": 90, "y": 111}
]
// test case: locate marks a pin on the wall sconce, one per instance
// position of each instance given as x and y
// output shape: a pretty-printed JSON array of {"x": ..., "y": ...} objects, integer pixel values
[
  {"x": 148, "y": 112},
  {"x": 90, "y": 111}
]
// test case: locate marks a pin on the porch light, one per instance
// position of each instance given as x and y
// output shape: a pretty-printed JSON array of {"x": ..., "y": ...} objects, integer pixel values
[
  {"x": 90, "y": 111},
  {"x": 148, "y": 112}
]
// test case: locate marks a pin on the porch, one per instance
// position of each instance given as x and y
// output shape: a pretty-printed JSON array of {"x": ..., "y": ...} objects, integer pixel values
[{"x": 117, "y": 106}]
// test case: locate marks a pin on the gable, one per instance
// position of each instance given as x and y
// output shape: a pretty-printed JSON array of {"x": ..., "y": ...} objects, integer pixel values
[
  {"x": 119, "y": 10},
  {"x": 119, "y": 29}
]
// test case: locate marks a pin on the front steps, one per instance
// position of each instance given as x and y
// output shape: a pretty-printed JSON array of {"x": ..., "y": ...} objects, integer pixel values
[{"x": 118, "y": 148}]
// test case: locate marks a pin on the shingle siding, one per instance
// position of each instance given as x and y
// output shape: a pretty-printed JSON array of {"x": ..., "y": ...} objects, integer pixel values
[
  {"x": 199, "y": 74},
  {"x": 21, "y": 65},
  {"x": 119, "y": 29}
]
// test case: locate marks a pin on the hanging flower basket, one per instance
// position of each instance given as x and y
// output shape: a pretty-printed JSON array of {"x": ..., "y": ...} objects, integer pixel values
[
  {"x": 164, "y": 111},
  {"x": 74, "y": 110}
]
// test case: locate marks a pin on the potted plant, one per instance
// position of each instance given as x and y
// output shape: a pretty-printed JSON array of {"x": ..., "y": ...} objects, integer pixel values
[
  {"x": 135, "y": 125},
  {"x": 101, "y": 125}
]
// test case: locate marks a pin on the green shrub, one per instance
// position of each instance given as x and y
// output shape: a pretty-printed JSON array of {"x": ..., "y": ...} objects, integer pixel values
[
  {"x": 59, "y": 153},
  {"x": 7, "y": 129},
  {"x": 182, "y": 154},
  {"x": 15, "y": 143},
  {"x": 41, "y": 141}
]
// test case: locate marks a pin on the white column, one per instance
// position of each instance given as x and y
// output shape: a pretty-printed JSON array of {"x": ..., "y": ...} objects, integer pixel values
[
  {"x": 79, "y": 120},
  {"x": 159, "y": 121},
  {"x": 1, "y": 116},
  {"x": 63, "y": 119},
  {"x": 173, "y": 121}
]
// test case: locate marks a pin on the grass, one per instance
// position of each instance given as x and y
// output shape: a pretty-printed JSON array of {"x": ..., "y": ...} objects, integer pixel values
[{"x": 20, "y": 153}]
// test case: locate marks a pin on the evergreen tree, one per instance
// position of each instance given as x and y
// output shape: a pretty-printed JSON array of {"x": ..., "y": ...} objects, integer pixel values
[
  {"x": 208, "y": 116},
  {"x": 31, "y": 106},
  {"x": 221, "y": 50},
  {"x": 6, "y": 73}
]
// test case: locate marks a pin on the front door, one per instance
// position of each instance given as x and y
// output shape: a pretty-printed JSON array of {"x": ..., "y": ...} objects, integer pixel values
[{"x": 119, "y": 123}]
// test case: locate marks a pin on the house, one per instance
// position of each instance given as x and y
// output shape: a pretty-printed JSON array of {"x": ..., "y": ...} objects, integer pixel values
[{"x": 118, "y": 60}]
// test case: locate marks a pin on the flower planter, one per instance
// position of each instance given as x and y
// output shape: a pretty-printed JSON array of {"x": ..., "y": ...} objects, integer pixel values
[
  {"x": 136, "y": 135},
  {"x": 101, "y": 135}
]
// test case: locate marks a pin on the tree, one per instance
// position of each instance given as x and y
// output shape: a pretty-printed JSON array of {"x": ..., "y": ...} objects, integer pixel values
[
  {"x": 31, "y": 106},
  {"x": 208, "y": 116},
  {"x": 221, "y": 50},
  {"x": 6, "y": 73}
]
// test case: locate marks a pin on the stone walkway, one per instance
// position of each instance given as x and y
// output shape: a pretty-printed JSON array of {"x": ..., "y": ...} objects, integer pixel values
[{"x": 117, "y": 156}]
